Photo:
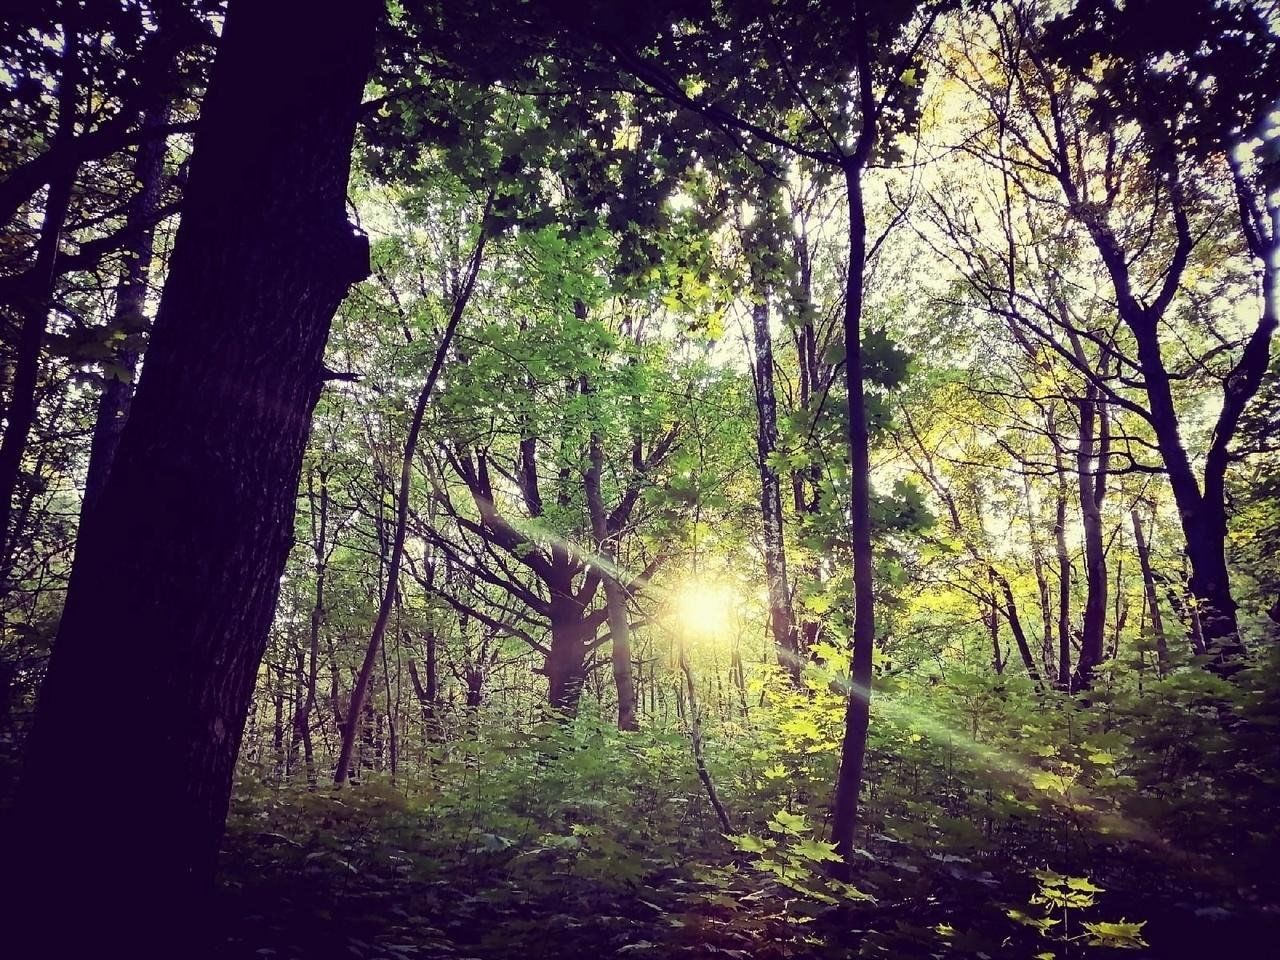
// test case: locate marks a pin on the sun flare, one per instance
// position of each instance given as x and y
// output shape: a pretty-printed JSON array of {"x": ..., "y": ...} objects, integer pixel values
[{"x": 704, "y": 609}]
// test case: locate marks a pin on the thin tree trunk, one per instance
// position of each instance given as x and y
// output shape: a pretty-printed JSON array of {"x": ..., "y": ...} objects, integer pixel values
[
  {"x": 1042, "y": 580},
  {"x": 614, "y": 595},
  {"x": 695, "y": 739},
  {"x": 178, "y": 568},
  {"x": 20, "y": 412},
  {"x": 1064, "y": 570},
  {"x": 361, "y": 688},
  {"x": 1149, "y": 588},
  {"x": 1091, "y": 474},
  {"x": 858, "y": 709},
  {"x": 320, "y": 533},
  {"x": 130, "y": 312},
  {"x": 781, "y": 626},
  {"x": 1015, "y": 626}
]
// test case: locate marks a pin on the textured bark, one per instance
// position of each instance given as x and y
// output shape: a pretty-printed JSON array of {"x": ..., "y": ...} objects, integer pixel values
[
  {"x": 566, "y": 658},
  {"x": 178, "y": 567},
  {"x": 781, "y": 627}
]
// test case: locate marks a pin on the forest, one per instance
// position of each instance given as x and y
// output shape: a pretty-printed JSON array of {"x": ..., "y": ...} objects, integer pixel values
[{"x": 684, "y": 478}]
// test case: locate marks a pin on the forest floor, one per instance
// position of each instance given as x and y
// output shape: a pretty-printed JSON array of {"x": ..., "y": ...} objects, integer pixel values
[{"x": 372, "y": 873}]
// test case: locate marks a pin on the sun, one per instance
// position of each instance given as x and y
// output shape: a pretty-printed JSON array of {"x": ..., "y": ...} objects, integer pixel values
[{"x": 704, "y": 609}]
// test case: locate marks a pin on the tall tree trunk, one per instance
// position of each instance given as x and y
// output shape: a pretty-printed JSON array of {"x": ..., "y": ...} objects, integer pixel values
[
  {"x": 853, "y": 747},
  {"x": 130, "y": 316},
  {"x": 1042, "y": 580},
  {"x": 319, "y": 549},
  {"x": 390, "y": 590},
  {"x": 1064, "y": 569},
  {"x": 566, "y": 658},
  {"x": 992, "y": 618},
  {"x": 1015, "y": 626},
  {"x": 785, "y": 643},
  {"x": 1202, "y": 513},
  {"x": 1091, "y": 475},
  {"x": 33, "y": 305},
  {"x": 614, "y": 595},
  {"x": 1149, "y": 587},
  {"x": 178, "y": 568}
]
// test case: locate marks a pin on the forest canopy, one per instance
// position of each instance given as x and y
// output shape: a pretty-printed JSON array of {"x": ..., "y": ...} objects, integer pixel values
[{"x": 750, "y": 478}]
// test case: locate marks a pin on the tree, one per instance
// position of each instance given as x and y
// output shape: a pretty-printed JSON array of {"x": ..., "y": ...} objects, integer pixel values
[{"x": 178, "y": 569}]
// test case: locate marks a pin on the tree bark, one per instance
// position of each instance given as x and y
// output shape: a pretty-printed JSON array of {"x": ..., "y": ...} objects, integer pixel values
[
  {"x": 566, "y": 658},
  {"x": 785, "y": 642},
  {"x": 1091, "y": 476},
  {"x": 178, "y": 567},
  {"x": 853, "y": 746},
  {"x": 1015, "y": 626}
]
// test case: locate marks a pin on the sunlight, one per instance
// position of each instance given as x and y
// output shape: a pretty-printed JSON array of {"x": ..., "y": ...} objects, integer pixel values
[{"x": 704, "y": 609}]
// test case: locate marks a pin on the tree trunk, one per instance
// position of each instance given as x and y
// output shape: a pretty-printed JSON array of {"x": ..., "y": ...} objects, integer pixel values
[
  {"x": 178, "y": 568},
  {"x": 307, "y": 704},
  {"x": 1015, "y": 626},
  {"x": 1064, "y": 571},
  {"x": 615, "y": 597},
  {"x": 785, "y": 643},
  {"x": 1091, "y": 476},
  {"x": 130, "y": 316},
  {"x": 1203, "y": 514},
  {"x": 858, "y": 709},
  {"x": 1042, "y": 580},
  {"x": 1149, "y": 587},
  {"x": 361, "y": 688},
  {"x": 566, "y": 659},
  {"x": 20, "y": 413}
]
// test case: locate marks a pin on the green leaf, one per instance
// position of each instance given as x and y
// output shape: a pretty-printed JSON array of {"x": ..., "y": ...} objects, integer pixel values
[
  {"x": 1121, "y": 935},
  {"x": 748, "y": 843},
  {"x": 816, "y": 850}
]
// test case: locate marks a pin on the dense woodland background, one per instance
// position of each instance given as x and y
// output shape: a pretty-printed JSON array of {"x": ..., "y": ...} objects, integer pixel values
[{"x": 709, "y": 478}]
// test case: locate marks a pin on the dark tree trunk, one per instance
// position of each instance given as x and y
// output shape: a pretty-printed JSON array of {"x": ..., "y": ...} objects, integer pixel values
[
  {"x": 566, "y": 660},
  {"x": 1015, "y": 626},
  {"x": 20, "y": 412},
  {"x": 178, "y": 568},
  {"x": 1064, "y": 573},
  {"x": 858, "y": 710},
  {"x": 1091, "y": 476},
  {"x": 1042, "y": 581},
  {"x": 319, "y": 548},
  {"x": 992, "y": 618},
  {"x": 785, "y": 643},
  {"x": 360, "y": 690},
  {"x": 614, "y": 595},
  {"x": 1149, "y": 588},
  {"x": 130, "y": 316}
]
